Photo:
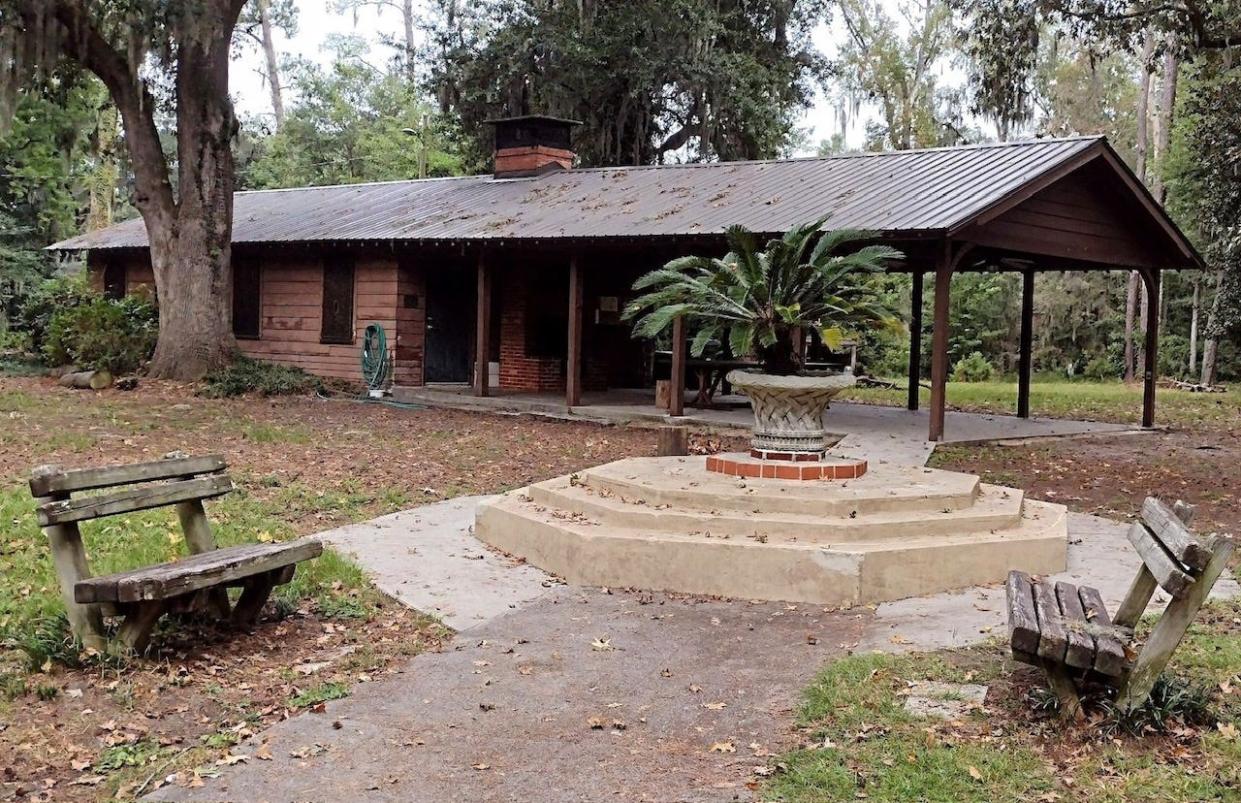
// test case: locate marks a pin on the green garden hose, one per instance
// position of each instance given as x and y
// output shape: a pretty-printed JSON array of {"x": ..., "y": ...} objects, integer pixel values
[{"x": 375, "y": 358}]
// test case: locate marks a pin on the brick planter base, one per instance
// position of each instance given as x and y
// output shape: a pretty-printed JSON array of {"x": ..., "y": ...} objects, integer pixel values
[{"x": 786, "y": 466}]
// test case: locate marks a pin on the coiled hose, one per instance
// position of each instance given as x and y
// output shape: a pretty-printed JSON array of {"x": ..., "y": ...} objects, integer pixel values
[{"x": 375, "y": 367}]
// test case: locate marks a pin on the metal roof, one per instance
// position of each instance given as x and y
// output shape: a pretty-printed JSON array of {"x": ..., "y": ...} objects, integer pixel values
[{"x": 901, "y": 192}]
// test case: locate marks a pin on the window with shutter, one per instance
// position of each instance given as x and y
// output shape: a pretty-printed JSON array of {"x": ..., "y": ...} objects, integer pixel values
[
  {"x": 247, "y": 299},
  {"x": 337, "y": 301}
]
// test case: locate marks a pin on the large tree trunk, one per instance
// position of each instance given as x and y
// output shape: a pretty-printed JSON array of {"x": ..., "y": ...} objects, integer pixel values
[
  {"x": 410, "y": 44},
  {"x": 1211, "y": 345},
  {"x": 1193, "y": 324},
  {"x": 273, "y": 64},
  {"x": 1163, "y": 130},
  {"x": 192, "y": 264},
  {"x": 1143, "y": 137}
]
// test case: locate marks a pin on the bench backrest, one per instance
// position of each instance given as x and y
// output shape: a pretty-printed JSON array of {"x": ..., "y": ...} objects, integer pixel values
[
  {"x": 174, "y": 480},
  {"x": 1169, "y": 549}
]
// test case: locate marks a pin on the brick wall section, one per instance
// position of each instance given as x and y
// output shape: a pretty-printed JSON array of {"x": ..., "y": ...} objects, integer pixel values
[{"x": 517, "y": 370}]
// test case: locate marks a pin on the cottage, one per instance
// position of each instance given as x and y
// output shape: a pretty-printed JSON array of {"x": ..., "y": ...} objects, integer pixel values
[{"x": 530, "y": 266}]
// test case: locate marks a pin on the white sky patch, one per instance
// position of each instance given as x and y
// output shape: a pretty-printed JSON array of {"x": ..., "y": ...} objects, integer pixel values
[{"x": 316, "y": 22}]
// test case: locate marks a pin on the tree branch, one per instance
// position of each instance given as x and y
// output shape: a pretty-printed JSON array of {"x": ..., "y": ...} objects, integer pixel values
[{"x": 85, "y": 44}]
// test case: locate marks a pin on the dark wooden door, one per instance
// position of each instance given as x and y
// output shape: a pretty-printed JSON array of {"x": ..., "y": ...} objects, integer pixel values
[{"x": 450, "y": 325}]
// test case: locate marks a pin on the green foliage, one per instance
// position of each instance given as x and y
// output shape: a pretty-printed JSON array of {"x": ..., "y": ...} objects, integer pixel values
[
  {"x": 319, "y": 694},
  {"x": 892, "y": 64},
  {"x": 1173, "y": 702},
  {"x": 120, "y": 756},
  {"x": 103, "y": 334},
  {"x": 349, "y": 125},
  {"x": 649, "y": 79},
  {"x": 47, "y": 640},
  {"x": 974, "y": 368},
  {"x": 806, "y": 281},
  {"x": 244, "y": 375},
  {"x": 34, "y": 314},
  {"x": 1001, "y": 44},
  {"x": 1103, "y": 367}
]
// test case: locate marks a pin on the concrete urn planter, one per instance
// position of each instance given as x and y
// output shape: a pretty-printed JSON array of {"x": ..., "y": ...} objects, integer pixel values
[{"x": 788, "y": 410}]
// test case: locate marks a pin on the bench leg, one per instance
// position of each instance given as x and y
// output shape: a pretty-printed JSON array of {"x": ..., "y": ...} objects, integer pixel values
[
  {"x": 135, "y": 632},
  {"x": 253, "y": 596},
  {"x": 1065, "y": 690}
]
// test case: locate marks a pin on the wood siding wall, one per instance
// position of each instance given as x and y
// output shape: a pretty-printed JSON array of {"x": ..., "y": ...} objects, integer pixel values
[{"x": 1085, "y": 216}]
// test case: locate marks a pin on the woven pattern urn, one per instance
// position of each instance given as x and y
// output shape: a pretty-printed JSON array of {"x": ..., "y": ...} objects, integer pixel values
[{"x": 788, "y": 410}]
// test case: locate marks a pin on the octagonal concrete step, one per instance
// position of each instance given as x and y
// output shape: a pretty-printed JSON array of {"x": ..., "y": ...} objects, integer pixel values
[
  {"x": 588, "y": 553},
  {"x": 993, "y": 508},
  {"x": 684, "y": 483}
]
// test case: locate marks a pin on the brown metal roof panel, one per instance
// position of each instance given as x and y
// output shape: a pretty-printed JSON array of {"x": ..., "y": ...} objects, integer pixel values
[{"x": 927, "y": 190}]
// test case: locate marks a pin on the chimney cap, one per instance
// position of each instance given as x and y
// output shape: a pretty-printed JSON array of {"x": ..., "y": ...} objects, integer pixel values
[{"x": 521, "y": 118}]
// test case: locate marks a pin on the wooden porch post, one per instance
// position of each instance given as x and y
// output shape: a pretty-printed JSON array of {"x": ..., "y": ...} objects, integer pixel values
[
  {"x": 573, "y": 366},
  {"x": 1152, "y": 280},
  {"x": 1024, "y": 364},
  {"x": 939, "y": 343},
  {"x": 676, "y": 385},
  {"x": 482, "y": 330},
  {"x": 915, "y": 339}
]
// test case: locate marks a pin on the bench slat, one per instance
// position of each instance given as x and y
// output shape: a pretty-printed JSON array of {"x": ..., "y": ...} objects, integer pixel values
[
  {"x": 1080, "y": 652},
  {"x": 1022, "y": 620},
  {"x": 50, "y": 480},
  {"x": 1109, "y": 651},
  {"x": 1174, "y": 535},
  {"x": 1053, "y": 640},
  {"x": 1165, "y": 570},
  {"x": 200, "y": 571},
  {"x": 93, "y": 507}
]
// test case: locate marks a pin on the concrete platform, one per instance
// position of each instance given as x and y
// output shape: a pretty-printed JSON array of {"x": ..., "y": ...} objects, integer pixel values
[{"x": 668, "y": 524}]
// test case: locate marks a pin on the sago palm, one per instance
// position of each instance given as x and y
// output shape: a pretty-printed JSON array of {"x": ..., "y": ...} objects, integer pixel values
[{"x": 760, "y": 298}]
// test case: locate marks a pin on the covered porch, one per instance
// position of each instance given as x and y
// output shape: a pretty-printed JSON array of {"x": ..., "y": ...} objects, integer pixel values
[{"x": 547, "y": 313}]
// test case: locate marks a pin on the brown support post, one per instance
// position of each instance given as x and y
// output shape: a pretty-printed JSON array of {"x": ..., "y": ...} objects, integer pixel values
[
  {"x": 482, "y": 330},
  {"x": 573, "y": 366},
  {"x": 1152, "y": 347},
  {"x": 915, "y": 340},
  {"x": 939, "y": 343},
  {"x": 1024, "y": 364},
  {"x": 676, "y": 401}
]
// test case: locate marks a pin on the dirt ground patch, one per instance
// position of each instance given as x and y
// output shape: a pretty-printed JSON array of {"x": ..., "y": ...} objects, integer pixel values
[
  {"x": 1110, "y": 476},
  {"x": 429, "y": 454}
]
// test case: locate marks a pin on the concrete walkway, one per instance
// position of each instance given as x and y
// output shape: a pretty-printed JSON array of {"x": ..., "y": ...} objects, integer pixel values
[{"x": 554, "y": 693}]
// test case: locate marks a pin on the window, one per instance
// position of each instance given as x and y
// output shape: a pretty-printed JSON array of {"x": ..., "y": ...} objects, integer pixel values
[
  {"x": 337, "y": 301},
  {"x": 247, "y": 299}
]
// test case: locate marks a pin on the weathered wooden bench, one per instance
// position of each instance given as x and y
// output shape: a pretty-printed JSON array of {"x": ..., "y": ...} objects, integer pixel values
[
  {"x": 140, "y": 596},
  {"x": 1066, "y": 630}
]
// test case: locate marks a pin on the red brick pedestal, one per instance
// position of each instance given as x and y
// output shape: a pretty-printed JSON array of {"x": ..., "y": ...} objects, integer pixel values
[{"x": 786, "y": 466}]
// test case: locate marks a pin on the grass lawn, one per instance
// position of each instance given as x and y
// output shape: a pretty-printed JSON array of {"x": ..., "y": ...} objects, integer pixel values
[
  {"x": 74, "y": 729},
  {"x": 860, "y": 742},
  {"x": 1081, "y": 399}
]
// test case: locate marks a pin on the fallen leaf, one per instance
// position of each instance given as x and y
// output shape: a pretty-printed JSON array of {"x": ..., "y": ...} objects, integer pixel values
[
  {"x": 263, "y": 752},
  {"x": 715, "y": 706},
  {"x": 723, "y": 747},
  {"x": 974, "y": 773}
]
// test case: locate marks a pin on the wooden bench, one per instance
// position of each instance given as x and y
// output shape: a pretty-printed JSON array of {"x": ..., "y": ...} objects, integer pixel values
[
  {"x": 140, "y": 596},
  {"x": 1066, "y": 630}
]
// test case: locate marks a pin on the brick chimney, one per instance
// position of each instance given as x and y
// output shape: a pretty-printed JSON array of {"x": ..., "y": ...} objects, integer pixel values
[{"x": 532, "y": 145}]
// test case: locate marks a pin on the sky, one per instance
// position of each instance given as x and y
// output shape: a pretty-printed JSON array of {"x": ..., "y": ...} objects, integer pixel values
[{"x": 316, "y": 22}]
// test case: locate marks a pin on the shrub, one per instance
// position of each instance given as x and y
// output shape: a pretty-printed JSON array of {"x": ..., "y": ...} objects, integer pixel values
[
  {"x": 35, "y": 313},
  {"x": 1101, "y": 368},
  {"x": 102, "y": 334},
  {"x": 974, "y": 368},
  {"x": 244, "y": 375}
]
